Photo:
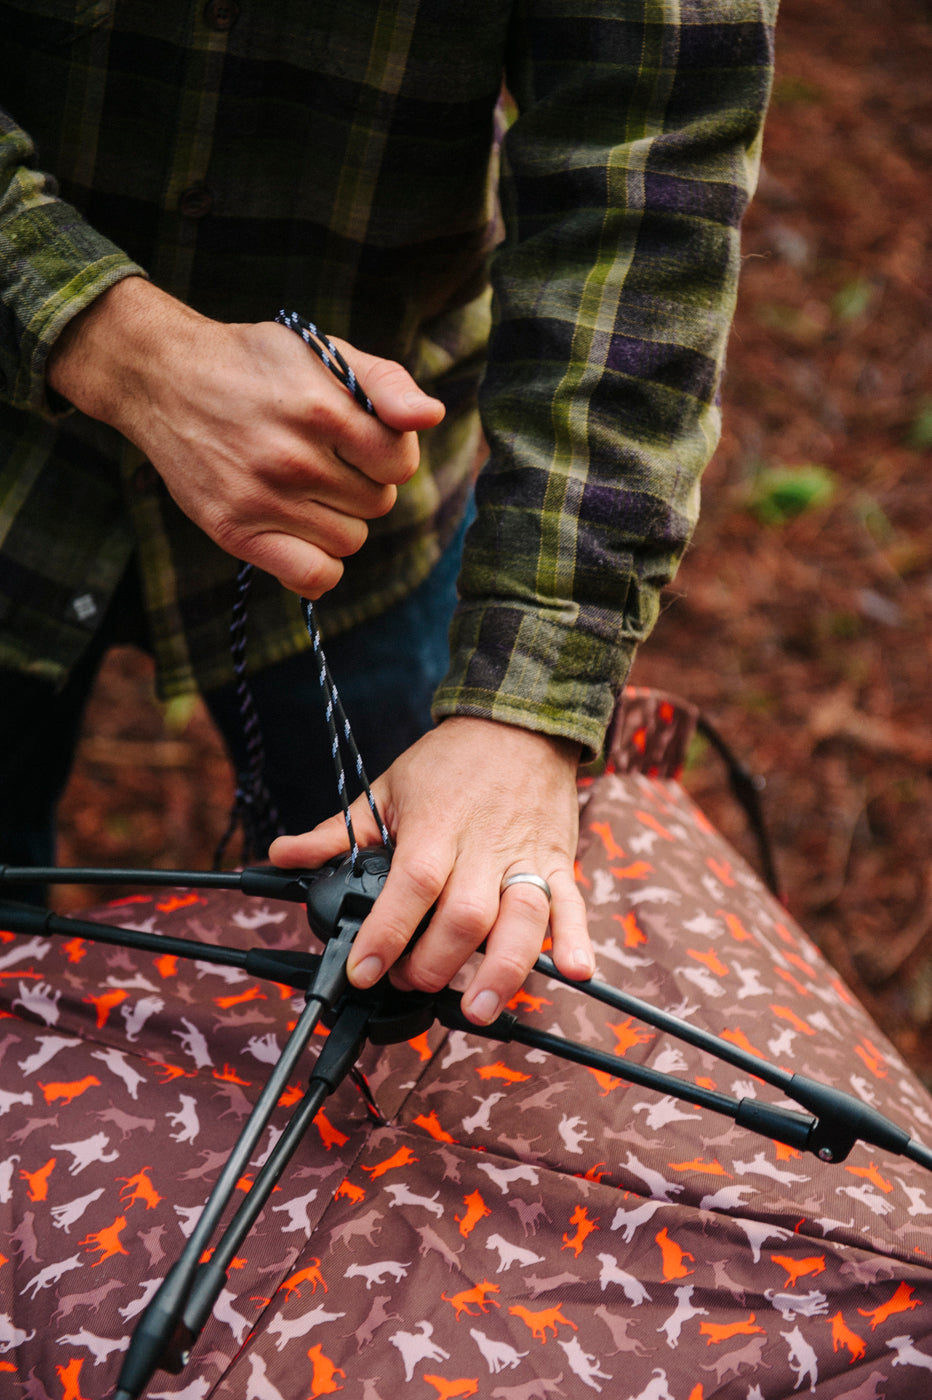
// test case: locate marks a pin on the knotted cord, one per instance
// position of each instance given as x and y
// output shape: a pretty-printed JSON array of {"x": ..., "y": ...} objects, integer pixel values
[{"x": 252, "y": 805}]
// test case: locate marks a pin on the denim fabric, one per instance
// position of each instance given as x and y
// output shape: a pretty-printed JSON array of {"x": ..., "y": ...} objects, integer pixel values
[{"x": 386, "y": 671}]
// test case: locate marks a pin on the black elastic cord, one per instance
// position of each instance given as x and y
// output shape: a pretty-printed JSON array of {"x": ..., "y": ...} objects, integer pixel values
[
  {"x": 328, "y": 354},
  {"x": 252, "y": 807},
  {"x": 747, "y": 788},
  {"x": 334, "y": 713},
  {"x": 337, "y": 721}
]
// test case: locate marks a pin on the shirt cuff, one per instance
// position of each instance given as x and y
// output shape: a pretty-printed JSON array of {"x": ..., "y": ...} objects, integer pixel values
[
  {"x": 59, "y": 266},
  {"x": 511, "y": 664}
]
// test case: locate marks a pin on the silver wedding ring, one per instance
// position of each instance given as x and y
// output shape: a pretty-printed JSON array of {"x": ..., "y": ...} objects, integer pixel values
[{"x": 523, "y": 877}]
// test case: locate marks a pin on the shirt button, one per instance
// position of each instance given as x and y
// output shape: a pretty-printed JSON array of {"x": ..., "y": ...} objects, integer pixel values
[
  {"x": 221, "y": 15},
  {"x": 195, "y": 201}
]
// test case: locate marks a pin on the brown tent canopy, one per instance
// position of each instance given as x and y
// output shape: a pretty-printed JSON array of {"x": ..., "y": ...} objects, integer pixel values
[{"x": 517, "y": 1227}]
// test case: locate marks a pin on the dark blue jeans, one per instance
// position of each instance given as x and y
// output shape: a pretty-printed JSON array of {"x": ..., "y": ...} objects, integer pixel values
[{"x": 386, "y": 671}]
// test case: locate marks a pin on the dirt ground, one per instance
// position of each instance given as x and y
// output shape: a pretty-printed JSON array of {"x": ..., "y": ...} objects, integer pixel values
[{"x": 801, "y": 621}]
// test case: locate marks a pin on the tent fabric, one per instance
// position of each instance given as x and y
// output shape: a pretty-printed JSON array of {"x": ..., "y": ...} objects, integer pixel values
[{"x": 515, "y": 1226}]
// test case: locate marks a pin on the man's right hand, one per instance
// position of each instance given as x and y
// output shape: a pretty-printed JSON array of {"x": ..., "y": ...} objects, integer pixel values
[{"x": 256, "y": 440}]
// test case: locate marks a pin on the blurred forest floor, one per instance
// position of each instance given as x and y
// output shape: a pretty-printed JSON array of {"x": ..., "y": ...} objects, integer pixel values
[{"x": 801, "y": 621}]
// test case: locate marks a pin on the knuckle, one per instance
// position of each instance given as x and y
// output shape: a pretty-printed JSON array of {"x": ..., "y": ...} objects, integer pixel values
[
  {"x": 469, "y": 918},
  {"x": 389, "y": 943},
  {"x": 226, "y": 530},
  {"x": 512, "y": 965},
  {"x": 382, "y": 502},
  {"x": 381, "y": 374},
  {"x": 326, "y": 408},
  {"x": 314, "y": 583},
  {"x": 527, "y": 904},
  {"x": 390, "y": 465},
  {"x": 426, "y": 876},
  {"x": 525, "y": 896},
  {"x": 281, "y": 467},
  {"x": 425, "y": 979},
  {"x": 349, "y": 536}
]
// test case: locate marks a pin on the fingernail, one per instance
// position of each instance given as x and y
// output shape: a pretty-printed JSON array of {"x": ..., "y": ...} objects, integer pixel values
[
  {"x": 416, "y": 398},
  {"x": 366, "y": 973},
  {"x": 484, "y": 1008},
  {"x": 583, "y": 964}
]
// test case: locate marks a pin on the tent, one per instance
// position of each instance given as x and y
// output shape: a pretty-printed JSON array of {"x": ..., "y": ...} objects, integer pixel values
[{"x": 509, "y": 1225}]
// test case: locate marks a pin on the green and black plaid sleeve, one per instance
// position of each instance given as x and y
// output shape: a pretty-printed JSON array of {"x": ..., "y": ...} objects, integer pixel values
[
  {"x": 626, "y": 176},
  {"x": 52, "y": 265}
]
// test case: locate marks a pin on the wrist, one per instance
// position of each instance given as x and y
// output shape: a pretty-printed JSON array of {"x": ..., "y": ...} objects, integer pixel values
[
  {"x": 103, "y": 357},
  {"x": 532, "y": 741}
]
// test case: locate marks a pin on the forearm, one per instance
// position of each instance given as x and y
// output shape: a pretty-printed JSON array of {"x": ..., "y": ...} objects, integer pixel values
[{"x": 109, "y": 355}]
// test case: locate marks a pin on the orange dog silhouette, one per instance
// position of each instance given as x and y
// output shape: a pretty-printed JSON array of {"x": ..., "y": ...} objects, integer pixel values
[
  {"x": 673, "y": 1256},
  {"x": 329, "y": 1135},
  {"x": 634, "y": 934},
  {"x": 501, "y": 1071},
  {"x": 39, "y": 1180},
  {"x": 799, "y": 1268},
  {"x": 107, "y": 1241},
  {"x": 401, "y": 1158},
  {"x": 872, "y": 1174},
  {"x": 431, "y": 1124},
  {"x": 323, "y": 1380},
  {"x": 311, "y": 1275},
  {"x": 69, "y": 1091},
  {"x": 462, "y": 1301},
  {"x": 716, "y": 1332},
  {"x": 627, "y": 1036},
  {"x": 452, "y": 1390},
  {"x": 539, "y": 1322},
  {"x": 636, "y": 871},
  {"x": 476, "y": 1209},
  {"x": 69, "y": 1377},
  {"x": 842, "y": 1336},
  {"x": 607, "y": 837},
  {"x": 584, "y": 1228},
  {"x": 902, "y": 1301},
  {"x": 105, "y": 1004},
  {"x": 350, "y": 1190},
  {"x": 140, "y": 1189},
  {"x": 711, "y": 960}
]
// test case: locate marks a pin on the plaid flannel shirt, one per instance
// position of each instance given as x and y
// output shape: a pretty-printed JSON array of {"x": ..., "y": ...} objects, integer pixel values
[{"x": 341, "y": 159}]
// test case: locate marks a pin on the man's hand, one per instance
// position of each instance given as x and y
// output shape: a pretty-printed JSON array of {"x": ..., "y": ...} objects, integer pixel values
[
  {"x": 255, "y": 439},
  {"x": 467, "y": 805}
]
